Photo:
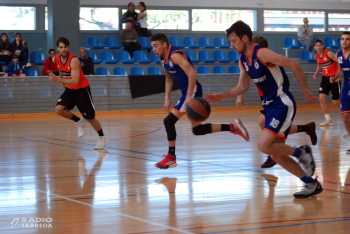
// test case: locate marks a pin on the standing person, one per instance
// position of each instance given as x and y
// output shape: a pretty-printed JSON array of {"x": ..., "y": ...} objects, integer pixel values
[
  {"x": 129, "y": 38},
  {"x": 130, "y": 16},
  {"x": 86, "y": 63},
  {"x": 49, "y": 65},
  {"x": 309, "y": 128},
  {"x": 20, "y": 49},
  {"x": 6, "y": 49},
  {"x": 77, "y": 92},
  {"x": 179, "y": 67},
  {"x": 306, "y": 35},
  {"x": 279, "y": 104},
  {"x": 143, "y": 19},
  {"x": 344, "y": 70},
  {"x": 328, "y": 62}
]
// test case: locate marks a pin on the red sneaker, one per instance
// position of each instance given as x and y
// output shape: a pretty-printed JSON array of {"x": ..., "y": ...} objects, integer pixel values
[
  {"x": 168, "y": 161},
  {"x": 236, "y": 127}
]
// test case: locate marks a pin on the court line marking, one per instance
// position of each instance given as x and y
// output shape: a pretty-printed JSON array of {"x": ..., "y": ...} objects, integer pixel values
[
  {"x": 343, "y": 139},
  {"x": 117, "y": 213}
]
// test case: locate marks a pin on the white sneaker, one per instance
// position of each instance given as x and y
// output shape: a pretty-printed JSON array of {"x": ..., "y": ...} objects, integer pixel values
[
  {"x": 309, "y": 190},
  {"x": 81, "y": 127},
  {"x": 327, "y": 123},
  {"x": 307, "y": 160},
  {"x": 102, "y": 142},
  {"x": 28, "y": 64},
  {"x": 348, "y": 151}
]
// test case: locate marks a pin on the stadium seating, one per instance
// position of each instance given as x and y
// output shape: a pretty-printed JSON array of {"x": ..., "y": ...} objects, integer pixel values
[
  {"x": 92, "y": 55},
  {"x": 219, "y": 42},
  {"x": 153, "y": 71},
  {"x": 330, "y": 43},
  {"x": 107, "y": 57},
  {"x": 136, "y": 71},
  {"x": 2, "y": 63},
  {"x": 145, "y": 43},
  {"x": 203, "y": 70},
  {"x": 111, "y": 42},
  {"x": 233, "y": 69},
  {"x": 233, "y": 56},
  {"x": 11, "y": 39},
  {"x": 338, "y": 42},
  {"x": 220, "y": 56},
  {"x": 140, "y": 57},
  {"x": 175, "y": 41},
  {"x": 120, "y": 71},
  {"x": 37, "y": 57},
  {"x": 154, "y": 58},
  {"x": 289, "y": 42},
  {"x": 300, "y": 45},
  {"x": 98, "y": 90},
  {"x": 124, "y": 57},
  {"x": 219, "y": 70},
  {"x": 6, "y": 92},
  {"x": 94, "y": 42},
  {"x": 191, "y": 55},
  {"x": 190, "y": 42},
  {"x": 30, "y": 72},
  {"x": 307, "y": 56},
  {"x": 204, "y": 42},
  {"x": 43, "y": 91},
  {"x": 204, "y": 56},
  {"x": 102, "y": 71}
]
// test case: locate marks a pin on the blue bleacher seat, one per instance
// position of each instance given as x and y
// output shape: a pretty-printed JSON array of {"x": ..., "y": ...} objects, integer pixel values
[
  {"x": 102, "y": 71},
  {"x": 154, "y": 58},
  {"x": 300, "y": 45},
  {"x": 124, "y": 57},
  {"x": 218, "y": 87},
  {"x": 153, "y": 71},
  {"x": 175, "y": 41},
  {"x": 92, "y": 55},
  {"x": 145, "y": 43},
  {"x": 338, "y": 42},
  {"x": 98, "y": 90},
  {"x": 136, "y": 71},
  {"x": 191, "y": 55},
  {"x": 330, "y": 43},
  {"x": 94, "y": 42},
  {"x": 233, "y": 56},
  {"x": 140, "y": 57},
  {"x": 30, "y": 72},
  {"x": 190, "y": 42},
  {"x": 219, "y": 70},
  {"x": 111, "y": 42},
  {"x": 119, "y": 71},
  {"x": 205, "y": 88},
  {"x": 334, "y": 51},
  {"x": 203, "y": 70},
  {"x": 11, "y": 39},
  {"x": 307, "y": 56},
  {"x": 220, "y": 42},
  {"x": 2, "y": 63},
  {"x": 43, "y": 91},
  {"x": 204, "y": 56},
  {"x": 37, "y": 57},
  {"x": 233, "y": 69},
  {"x": 107, "y": 57},
  {"x": 220, "y": 56},
  {"x": 6, "y": 92},
  {"x": 204, "y": 42},
  {"x": 289, "y": 42}
]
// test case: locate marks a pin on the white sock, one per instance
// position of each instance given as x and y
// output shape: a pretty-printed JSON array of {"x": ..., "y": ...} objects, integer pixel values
[{"x": 328, "y": 117}]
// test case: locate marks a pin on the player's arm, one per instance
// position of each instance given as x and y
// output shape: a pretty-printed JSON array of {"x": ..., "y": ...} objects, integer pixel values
[
  {"x": 318, "y": 69},
  {"x": 239, "y": 101},
  {"x": 268, "y": 56},
  {"x": 75, "y": 73},
  {"x": 338, "y": 75},
  {"x": 332, "y": 56},
  {"x": 169, "y": 81}
]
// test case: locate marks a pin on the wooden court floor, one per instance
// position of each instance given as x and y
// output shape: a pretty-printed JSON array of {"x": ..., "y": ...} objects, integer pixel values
[{"x": 56, "y": 181}]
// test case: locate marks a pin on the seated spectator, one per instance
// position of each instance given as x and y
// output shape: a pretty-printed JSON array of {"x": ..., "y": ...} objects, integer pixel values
[
  {"x": 87, "y": 66},
  {"x": 14, "y": 68},
  {"x": 130, "y": 16},
  {"x": 129, "y": 38},
  {"x": 305, "y": 35},
  {"x": 6, "y": 49},
  {"x": 21, "y": 50},
  {"x": 49, "y": 65}
]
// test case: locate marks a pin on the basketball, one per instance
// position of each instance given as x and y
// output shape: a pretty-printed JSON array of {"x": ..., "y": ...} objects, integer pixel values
[{"x": 198, "y": 109}]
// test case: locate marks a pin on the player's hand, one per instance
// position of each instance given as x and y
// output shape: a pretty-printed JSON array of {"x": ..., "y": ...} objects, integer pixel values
[
  {"x": 333, "y": 79},
  {"x": 187, "y": 100},
  {"x": 315, "y": 76},
  {"x": 309, "y": 97},
  {"x": 239, "y": 101},
  {"x": 212, "y": 98},
  {"x": 63, "y": 85},
  {"x": 167, "y": 105},
  {"x": 53, "y": 78}
]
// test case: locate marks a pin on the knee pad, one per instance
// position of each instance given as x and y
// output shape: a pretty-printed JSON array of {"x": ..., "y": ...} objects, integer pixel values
[
  {"x": 202, "y": 129},
  {"x": 169, "y": 123}
]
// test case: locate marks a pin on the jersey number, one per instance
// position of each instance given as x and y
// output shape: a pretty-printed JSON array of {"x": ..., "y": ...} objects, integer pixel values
[
  {"x": 325, "y": 70},
  {"x": 274, "y": 123}
]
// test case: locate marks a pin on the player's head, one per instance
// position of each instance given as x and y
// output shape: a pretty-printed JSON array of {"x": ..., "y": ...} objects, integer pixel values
[
  {"x": 319, "y": 46},
  {"x": 240, "y": 34},
  {"x": 160, "y": 44},
  {"x": 52, "y": 53},
  {"x": 142, "y": 6},
  {"x": 345, "y": 40},
  {"x": 128, "y": 26},
  {"x": 131, "y": 7},
  {"x": 261, "y": 41},
  {"x": 82, "y": 52},
  {"x": 15, "y": 58},
  {"x": 63, "y": 46}
]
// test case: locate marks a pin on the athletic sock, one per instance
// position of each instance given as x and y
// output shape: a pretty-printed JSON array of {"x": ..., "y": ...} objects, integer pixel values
[
  {"x": 297, "y": 152},
  {"x": 225, "y": 127},
  {"x": 303, "y": 128},
  {"x": 328, "y": 117},
  {"x": 100, "y": 133},
  {"x": 75, "y": 118},
  {"x": 172, "y": 150},
  {"x": 308, "y": 180}
]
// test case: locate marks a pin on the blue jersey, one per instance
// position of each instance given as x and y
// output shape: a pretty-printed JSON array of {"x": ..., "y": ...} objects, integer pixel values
[
  {"x": 175, "y": 70},
  {"x": 271, "y": 81},
  {"x": 344, "y": 63}
]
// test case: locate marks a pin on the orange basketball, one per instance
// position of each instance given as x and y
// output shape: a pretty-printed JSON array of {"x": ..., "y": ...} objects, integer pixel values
[{"x": 198, "y": 109}]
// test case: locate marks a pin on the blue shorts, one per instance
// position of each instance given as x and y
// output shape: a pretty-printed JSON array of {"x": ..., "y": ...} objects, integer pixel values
[
  {"x": 345, "y": 101},
  {"x": 180, "y": 104},
  {"x": 280, "y": 114}
]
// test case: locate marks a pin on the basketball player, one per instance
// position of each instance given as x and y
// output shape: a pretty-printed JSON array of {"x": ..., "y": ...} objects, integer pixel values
[
  {"x": 278, "y": 103},
  {"x": 328, "y": 62},
  {"x": 76, "y": 93},
  {"x": 344, "y": 70},
  {"x": 179, "y": 67},
  {"x": 309, "y": 128}
]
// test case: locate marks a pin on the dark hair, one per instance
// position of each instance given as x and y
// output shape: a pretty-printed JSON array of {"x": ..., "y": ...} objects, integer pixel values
[
  {"x": 241, "y": 29},
  {"x": 261, "y": 41},
  {"x": 20, "y": 41},
  {"x": 129, "y": 4},
  {"x": 15, "y": 57},
  {"x": 143, "y": 5},
  {"x": 318, "y": 41},
  {"x": 344, "y": 33},
  {"x": 4, "y": 44},
  {"x": 160, "y": 37},
  {"x": 51, "y": 50},
  {"x": 62, "y": 40}
]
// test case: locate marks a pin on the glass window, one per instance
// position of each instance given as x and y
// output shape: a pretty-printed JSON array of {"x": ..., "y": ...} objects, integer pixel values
[
  {"x": 290, "y": 21},
  {"x": 17, "y": 18},
  {"x": 338, "y": 22},
  {"x": 220, "y": 20}
]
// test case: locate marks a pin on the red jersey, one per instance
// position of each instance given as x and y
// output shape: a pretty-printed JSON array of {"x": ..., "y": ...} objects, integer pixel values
[
  {"x": 329, "y": 66},
  {"x": 66, "y": 72}
]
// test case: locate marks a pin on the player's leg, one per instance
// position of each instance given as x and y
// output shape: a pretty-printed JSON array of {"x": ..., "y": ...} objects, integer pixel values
[
  {"x": 335, "y": 90},
  {"x": 346, "y": 119},
  {"x": 325, "y": 88},
  {"x": 269, "y": 161}
]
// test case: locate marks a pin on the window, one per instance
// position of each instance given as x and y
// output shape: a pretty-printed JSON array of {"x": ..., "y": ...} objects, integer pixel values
[
  {"x": 18, "y": 18},
  {"x": 289, "y": 21},
  {"x": 338, "y": 22},
  {"x": 220, "y": 20}
]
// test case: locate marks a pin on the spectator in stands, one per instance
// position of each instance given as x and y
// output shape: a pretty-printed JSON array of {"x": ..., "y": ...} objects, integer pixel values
[
  {"x": 129, "y": 39},
  {"x": 21, "y": 50},
  {"x": 49, "y": 65},
  {"x": 14, "y": 68},
  {"x": 130, "y": 16},
  {"x": 6, "y": 49},
  {"x": 305, "y": 35},
  {"x": 143, "y": 19},
  {"x": 87, "y": 66}
]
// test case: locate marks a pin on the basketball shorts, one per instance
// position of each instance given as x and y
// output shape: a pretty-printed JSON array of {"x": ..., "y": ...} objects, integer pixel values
[
  {"x": 180, "y": 107},
  {"x": 263, "y": 112},
  {"x": 327, "y": 86},
  {"x": 345, "y": 101},
  {"x": 80, "y": 98},
  {"x": 280, "y": 115}
]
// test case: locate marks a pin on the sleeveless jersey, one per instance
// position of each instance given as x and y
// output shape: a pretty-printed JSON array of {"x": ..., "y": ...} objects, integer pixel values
[
  {"x": 271, "y": 81},
  {"x": 175, "y": 70},
  {"x": 329, "y": 66},
  {"x": 344, "y": 63},
  {"x": 66, "y": 72}
]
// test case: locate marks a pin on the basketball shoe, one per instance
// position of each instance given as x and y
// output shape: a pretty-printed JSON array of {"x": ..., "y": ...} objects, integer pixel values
[
  {"x": 312, "y": 132},
  {"x": 236, "y": 127},
  {"x": 102, "y": 142},
  {"x": 81, "y": 127},
  {"x": 307, "y": 160},
  {"x": 168, "y": 161},
  {"x": 268, "y": 163},
  {"x": 327, "y": 123},
  {"x": 309, "y": 190}
]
